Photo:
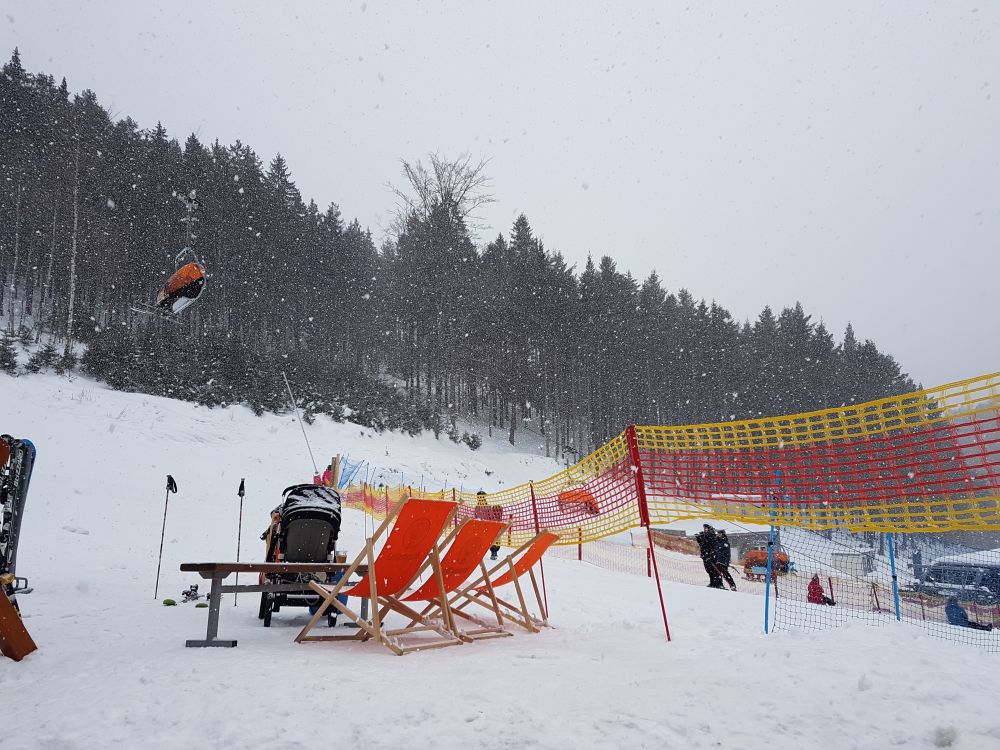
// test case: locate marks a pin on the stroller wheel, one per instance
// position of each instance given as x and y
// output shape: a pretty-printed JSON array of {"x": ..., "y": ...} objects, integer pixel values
[
  {"x": 268, "y": 606},
  {"x": 263, "y": 606}
]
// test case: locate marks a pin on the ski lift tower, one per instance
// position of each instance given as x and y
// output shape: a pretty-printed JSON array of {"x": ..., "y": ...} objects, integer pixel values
[{"x": 191, "y": 204}]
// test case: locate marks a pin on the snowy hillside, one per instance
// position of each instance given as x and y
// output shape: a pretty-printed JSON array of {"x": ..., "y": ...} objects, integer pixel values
[{"x": 112, "y": 669}]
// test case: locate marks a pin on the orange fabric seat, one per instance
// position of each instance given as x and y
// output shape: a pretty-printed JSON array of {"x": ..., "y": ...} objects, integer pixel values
[
  {"x": 411, "y": 540},
  {"x": 518, "y": 563},
  {"x": 469, "y": 545},
  {"x": 466, "y": 553},
  {"x": 410, "y": 545},
  {"x": 526, "y": 561}
]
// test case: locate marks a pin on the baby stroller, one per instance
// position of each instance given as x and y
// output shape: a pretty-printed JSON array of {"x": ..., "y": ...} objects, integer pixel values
[{"x": 304, "y": 528}]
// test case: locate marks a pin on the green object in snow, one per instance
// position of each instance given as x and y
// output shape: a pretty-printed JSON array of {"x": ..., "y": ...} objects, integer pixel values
[
  {"x": 169, "y": 603},
  {"x": 201, "y": 605}
]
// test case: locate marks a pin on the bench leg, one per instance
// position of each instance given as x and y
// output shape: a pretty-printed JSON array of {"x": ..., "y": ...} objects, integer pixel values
[
  {"x": 364, "y": 613},
  {"x": 214, "y": 600}
]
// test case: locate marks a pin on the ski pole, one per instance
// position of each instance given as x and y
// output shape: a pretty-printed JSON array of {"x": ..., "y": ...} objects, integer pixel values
[
  {"x": 171, "y": 487},
  {"x": 239, "y": 536}
]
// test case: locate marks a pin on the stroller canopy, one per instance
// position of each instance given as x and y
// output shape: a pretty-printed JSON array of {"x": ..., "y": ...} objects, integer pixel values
[{"x": 313, "y": 501}]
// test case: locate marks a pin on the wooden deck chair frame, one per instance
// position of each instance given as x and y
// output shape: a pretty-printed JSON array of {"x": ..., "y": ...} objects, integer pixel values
[
  {"x": 440, "y": 608},
  {"x": 482, "y": 592},
  {"x": 374, "y": 629}
]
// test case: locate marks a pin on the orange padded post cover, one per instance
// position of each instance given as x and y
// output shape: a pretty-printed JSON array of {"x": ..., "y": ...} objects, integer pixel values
[
  {"x": 579, "y": 496},
  {"x": 15, "y": 643}
]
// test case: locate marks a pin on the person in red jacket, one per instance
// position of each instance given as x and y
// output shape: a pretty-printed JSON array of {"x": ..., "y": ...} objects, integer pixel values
[
  {"x": 816, "y": 594},
  {"x": 326, "y": 478}
]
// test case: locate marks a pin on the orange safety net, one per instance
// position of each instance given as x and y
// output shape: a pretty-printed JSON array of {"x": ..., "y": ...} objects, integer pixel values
[{"x": 924, "y": 461}]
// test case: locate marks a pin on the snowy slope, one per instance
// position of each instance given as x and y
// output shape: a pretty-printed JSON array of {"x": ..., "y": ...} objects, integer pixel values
[{"x": 112, "y": 670}]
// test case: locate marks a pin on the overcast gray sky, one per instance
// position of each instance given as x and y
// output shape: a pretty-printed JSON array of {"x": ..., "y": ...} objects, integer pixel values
[{"x": 846, "y": 155}]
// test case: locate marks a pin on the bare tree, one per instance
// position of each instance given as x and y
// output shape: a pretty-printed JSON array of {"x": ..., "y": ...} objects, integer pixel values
[{"x": 460, "y": 184}]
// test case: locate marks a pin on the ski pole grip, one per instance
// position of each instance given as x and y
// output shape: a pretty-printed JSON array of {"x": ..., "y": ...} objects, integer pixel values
[{"x": 171, "y": 484}]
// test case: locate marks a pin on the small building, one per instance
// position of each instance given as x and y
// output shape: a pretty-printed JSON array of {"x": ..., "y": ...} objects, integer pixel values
[
  {"x": 675, "y": 540},
  {"x": 741, "y": 538},
  {"x": 855, "y": 564}
]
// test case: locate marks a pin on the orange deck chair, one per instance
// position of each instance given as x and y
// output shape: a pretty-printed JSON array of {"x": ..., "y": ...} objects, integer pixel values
[
  {"x": 520, "y": 561},
  {"x": 469, "y": 545},
  {"x": 413, "y": 539}
]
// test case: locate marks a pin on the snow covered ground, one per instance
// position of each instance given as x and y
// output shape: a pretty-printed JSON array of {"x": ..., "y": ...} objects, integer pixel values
[{"x": 112, "y": 669}]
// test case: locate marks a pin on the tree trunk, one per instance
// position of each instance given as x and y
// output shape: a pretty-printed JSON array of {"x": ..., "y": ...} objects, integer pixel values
[
  {"x": 17, "y": 250},
  {"x": 72, "y": 256}
]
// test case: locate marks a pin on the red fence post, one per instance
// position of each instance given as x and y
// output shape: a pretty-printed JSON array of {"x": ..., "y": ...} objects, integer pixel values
[
  {"x": 649, "y": 562},
  {"x": 579, "y": 544},
  {"x": 541, "y": 563},
  {"x": 640, "y": 489}
]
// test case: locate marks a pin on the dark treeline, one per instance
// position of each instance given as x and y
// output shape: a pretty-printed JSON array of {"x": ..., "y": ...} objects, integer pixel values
[{"x": 507, "y": 331}]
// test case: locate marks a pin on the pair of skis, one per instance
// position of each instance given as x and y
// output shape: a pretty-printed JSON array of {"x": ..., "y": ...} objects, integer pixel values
[{"x": 17, "y": 458}]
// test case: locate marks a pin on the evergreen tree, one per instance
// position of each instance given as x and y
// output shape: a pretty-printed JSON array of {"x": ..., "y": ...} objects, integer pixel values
[
  {"x": 8, "y": 356},
  {"x": 506, "y": 331}
]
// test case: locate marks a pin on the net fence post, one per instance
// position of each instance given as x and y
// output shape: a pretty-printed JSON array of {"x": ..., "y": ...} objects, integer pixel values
[
  {"x": 541, "y": 562},
  {"x": 770, "y": 556},
  {"x": 895, "y": 581},
  {"x": 640, "y": 488}
]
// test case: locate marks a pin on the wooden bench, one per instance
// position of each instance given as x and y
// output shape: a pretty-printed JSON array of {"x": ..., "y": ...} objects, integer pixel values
[{"x": 217, "y": 571}]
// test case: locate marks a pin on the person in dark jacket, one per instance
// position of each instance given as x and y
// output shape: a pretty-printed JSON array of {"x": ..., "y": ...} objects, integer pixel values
[
  {"x": 723, "y": 556},
  {"x": 708, "y": 544},
  {"x": 957, "y": 615},
  {"x": 483, "y": 510}
]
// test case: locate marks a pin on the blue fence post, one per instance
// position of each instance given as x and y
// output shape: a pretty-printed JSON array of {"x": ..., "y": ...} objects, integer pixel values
[
  {"x": 767, "y": 585},
  {"x": 895, "y": 581},
  {"x": 770, "y": 555}
]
